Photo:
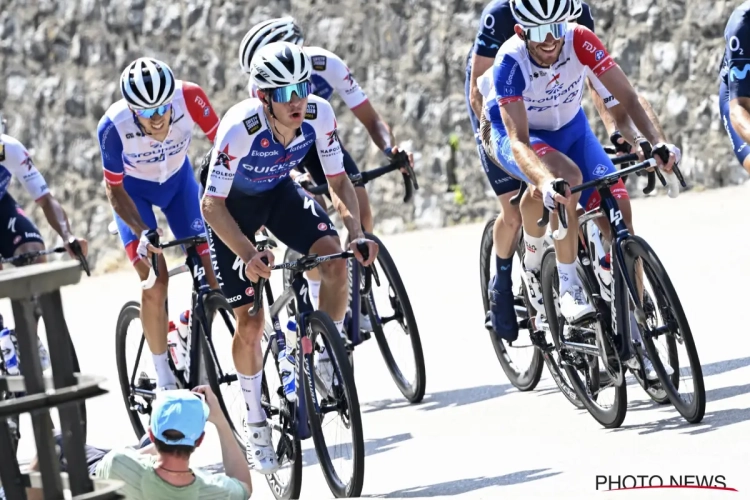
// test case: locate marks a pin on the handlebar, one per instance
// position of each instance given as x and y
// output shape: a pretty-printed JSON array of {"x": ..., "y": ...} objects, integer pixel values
[
  {"x": 28, "y": 257},
  {"x": 153, "y": 238},
  {"x": 305, "y": 264},
  {"x": 398, "y": 160}
]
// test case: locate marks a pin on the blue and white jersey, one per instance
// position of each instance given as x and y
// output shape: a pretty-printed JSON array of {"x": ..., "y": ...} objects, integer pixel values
[
  {"x": 248, "y": 160},
  {"x": 735, "y": 67},
  {"x": 16, "y": 160}
]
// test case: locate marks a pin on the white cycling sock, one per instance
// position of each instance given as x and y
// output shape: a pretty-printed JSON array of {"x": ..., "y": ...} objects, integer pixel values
[
  {"x": 532, "y": 259},
  {"x": 250, "y": 385},
  {"x": 164, "y": 376},
  {"x": 314, "y": 291},
  {"x": 340, "y": 327},
  {"x": 568, "y": 276}
]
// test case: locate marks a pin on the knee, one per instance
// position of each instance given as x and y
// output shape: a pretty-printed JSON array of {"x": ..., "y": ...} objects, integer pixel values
[
  {"x": 511, "y": 216},
  {"x": 334, "y": 272},
  {"x": 154, "y": 296},
  {"x": 249, "y": 328}
]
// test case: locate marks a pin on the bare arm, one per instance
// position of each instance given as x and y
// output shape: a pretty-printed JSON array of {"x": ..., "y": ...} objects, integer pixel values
[
  {"x": 601, "y": 108},
  {"x": 617, "y": 83},
  {"x": 650, "y": 112},
  {"x": 738, "y": 113},
  {"x": 56, "y": 216},
  {"x": 377, "y": 128},
  {"x": 217, "y": 216},
  {"x": 479, "y": 65},
  {"x": 123, "y": 206},
  {"x": 517, "y": 125},
  {"x": 344, "y": 199}
]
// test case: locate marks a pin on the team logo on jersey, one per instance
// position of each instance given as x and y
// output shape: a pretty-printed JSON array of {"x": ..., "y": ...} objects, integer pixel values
[
  {"x": 599, "y": 54},
  {"x": 333, "y": 135},
  {"x": 252, "y": 124},
  {"x": 223, "y": 158},
  {"x": 319, "y": 63},
  {"x": 264, "y": 143},
  {"x": 312, "y": 111},
  {"x": 555, "y": 82},
  {"x": 26, "y": 162},
  {"x": 349, "y": 78}
]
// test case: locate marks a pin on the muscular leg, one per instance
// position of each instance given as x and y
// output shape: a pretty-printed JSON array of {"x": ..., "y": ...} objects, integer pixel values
[{"x": 334, "y": 287}]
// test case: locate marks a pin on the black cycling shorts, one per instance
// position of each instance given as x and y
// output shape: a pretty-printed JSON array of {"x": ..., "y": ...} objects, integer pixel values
[
  {"x": 311, "y": 163},
  {"x": 15, "y": 227},
  {"x": 287, "y": 211}
]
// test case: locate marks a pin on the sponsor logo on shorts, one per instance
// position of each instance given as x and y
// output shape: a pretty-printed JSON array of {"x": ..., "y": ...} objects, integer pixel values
[
  {"x": 322, "y": 226},
  {"x": 600, "y": 170},
  {"x": 32, "y": 235},
  {"x": 249, "y": 291},
  {"x": 17, "y": 239},
  {"x": 234, "y": 299},
  {"x": 197, "y": 225}
]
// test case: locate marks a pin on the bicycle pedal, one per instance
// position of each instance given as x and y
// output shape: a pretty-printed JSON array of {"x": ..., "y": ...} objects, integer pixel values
[
  {"x": 365, "y": 335},
  {"x": 539, "y": 339},
  {"x": 524, "y": 324}
]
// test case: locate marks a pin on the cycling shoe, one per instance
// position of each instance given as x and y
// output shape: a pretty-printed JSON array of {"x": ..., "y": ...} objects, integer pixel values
[{"x": 502, "y": 314}]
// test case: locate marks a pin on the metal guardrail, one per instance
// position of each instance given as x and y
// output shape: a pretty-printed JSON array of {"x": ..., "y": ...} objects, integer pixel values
[{"x": 64, "y": 390}]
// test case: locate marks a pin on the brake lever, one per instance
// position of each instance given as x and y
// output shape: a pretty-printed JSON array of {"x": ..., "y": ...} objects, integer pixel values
[
  {"x": 362, "y": 247},
  {"x": 258, "y": 293}
]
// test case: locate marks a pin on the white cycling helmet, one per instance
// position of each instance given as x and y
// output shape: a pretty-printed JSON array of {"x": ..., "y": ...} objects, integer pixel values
[
  {"x": 576, "y": 9},
  {"x": 147, "y": 83},
  {"x": 279, "y": 64},
  {"x": 533, "y": 13},
  {"x": 280, "y": 29}
]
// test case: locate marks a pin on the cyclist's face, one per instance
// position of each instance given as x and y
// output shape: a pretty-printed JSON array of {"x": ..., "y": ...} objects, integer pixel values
[
  {"x": 157, "y": 123},
  {"x": 544, "y": 53},
  {"x": 290, "y": 114}
]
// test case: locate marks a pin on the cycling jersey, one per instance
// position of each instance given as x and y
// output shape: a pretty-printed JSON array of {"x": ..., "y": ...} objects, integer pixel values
[
  {"x": 553, "y": 95},
  {"x": 127, "y": 150},
  {"x": 330, "y": 73},
  {"x": 248, "y": 160},
  {"x": 15, "y": 159},
  {"x": 735, "y": 81}
]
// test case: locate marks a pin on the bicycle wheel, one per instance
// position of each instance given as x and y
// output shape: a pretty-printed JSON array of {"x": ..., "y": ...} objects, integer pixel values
[
  {"x": 524, "y": 375},
  {"x": 341, "y": 399},
  {"x": 129, "y": 312},
  {"x": 654, "y": 390},
  {"x": 404, "y": 317},
  {"x": 223, "y": 383},
  {"x": 676, "y": 330},
  {"x": 286, "y": 482},
  {"x": 589, "y": 389}
]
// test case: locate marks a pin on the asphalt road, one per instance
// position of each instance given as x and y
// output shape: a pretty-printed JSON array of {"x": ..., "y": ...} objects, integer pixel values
[{"x": 474, "y": 435}]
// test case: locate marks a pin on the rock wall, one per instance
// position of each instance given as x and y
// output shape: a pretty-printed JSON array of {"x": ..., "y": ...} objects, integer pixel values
[{"x": 60, "y": 62}]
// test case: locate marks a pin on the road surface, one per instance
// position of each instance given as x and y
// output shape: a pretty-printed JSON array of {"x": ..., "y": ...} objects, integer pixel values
[{"x": 474, "y": 435}]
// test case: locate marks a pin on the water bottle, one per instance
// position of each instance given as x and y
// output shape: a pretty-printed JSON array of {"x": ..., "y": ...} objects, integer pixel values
[
  {"x": 10, "y": 357},
  {"x": 176, "y": 349},
  {"x": 183, "y": 327},
  {"x": 287, "y": 369},
  {"x": 602, "y": 265}
]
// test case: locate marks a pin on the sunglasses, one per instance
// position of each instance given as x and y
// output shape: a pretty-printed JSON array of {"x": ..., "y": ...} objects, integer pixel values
[
  {"x": 148, "y": 113},
  {"x": 284, "y": 94},
  {"x": 539, "y": 34}
]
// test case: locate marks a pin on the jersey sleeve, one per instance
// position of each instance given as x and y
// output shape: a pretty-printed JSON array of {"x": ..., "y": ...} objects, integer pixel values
[
  {"x": 335, "y": 71},
  {"x": 737, "y": 38},
  {"x": 231, "y": 145},
  {"x": 110, "y": 146},
  {"x": 495, "y": 28},
  {"x": 327, "y": 141},
  {"x": 200, "y": 109},
  {"x": 606, "y": 95},
  {"x": 509, "y": 80},
  {"x": 18, "y": 161},
  {"x": 591, "y": 52}
]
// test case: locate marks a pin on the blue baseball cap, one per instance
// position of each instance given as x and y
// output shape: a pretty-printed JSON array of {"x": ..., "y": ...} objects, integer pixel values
[{"x": 179, "y": 410}]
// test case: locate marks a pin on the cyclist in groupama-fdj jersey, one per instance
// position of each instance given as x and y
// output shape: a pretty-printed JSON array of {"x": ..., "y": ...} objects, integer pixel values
[
  {"x": 144, "y": 139},
  {"x": 734, "y": 89},
  {"x": 259, "y": 141},
  {"x": 540, "y": 131},
  {"x": 330, "y": 75}
]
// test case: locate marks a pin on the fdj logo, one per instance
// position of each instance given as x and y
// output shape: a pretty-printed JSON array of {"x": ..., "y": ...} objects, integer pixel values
[{"x": 738, "y": 74}]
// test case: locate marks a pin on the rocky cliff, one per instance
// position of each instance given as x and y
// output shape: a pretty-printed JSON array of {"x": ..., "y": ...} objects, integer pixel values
[{"x": 60, "y": 62}]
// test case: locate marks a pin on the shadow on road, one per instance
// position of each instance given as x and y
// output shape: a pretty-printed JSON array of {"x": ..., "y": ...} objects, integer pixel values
[
  {"x": 443, "y": 399},
  {"x": 462, "y": 486},
  {"x": 711, "y": 421}
]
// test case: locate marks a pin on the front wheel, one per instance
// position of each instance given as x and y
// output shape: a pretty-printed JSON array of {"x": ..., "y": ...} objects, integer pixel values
[{"x": 340, "y": 399}]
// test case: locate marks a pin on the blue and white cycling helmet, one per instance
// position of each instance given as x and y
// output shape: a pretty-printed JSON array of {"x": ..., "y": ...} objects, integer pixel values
[
  {"x": 534, "y": 13},
  {"x": 280, "y": 29},
  {"x": 280, "y": 64},
  {"x": 576, "y": 9},
  {"x": 147, "y": 83}
]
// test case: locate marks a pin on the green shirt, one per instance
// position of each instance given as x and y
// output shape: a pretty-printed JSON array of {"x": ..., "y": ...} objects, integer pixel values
[{"x": 136, "y": 470}]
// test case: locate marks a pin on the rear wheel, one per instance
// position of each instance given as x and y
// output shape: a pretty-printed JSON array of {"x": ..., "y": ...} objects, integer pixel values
[
  {"x": 133, "y": 403},
  {"x": 521, "y": 361}
]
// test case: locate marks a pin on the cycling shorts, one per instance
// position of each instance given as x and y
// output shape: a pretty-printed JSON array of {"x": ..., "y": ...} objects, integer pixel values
[
  {"x": 17, "y": 229},
  {"x": 287, "y": 211},
  {"x": 311, "y": 163},
  {"x": 500, "y": 181},
  {"x": 739, "y": 146},
  {"x": 577, "y": 141},
  {"x": 178, "y": 200}
]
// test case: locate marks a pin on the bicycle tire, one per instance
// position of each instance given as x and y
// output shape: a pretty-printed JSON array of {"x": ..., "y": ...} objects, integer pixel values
[
  {"x": 667, "y": 299},
  {"x": 213, "y": 303},
  {"x": 293, "y": 488},
  {"x": 608, "y": 419},
  {"x": 415, "y": 393},
  {"x": 128, "y": 313},
  {"x": 319, "y": 323},
  {"x": 523, "y": 381},
  {"x": 656, "y": 392}
]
